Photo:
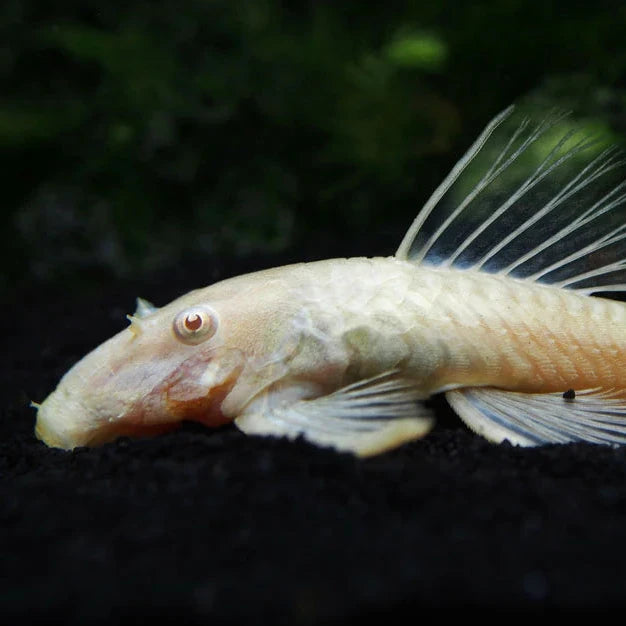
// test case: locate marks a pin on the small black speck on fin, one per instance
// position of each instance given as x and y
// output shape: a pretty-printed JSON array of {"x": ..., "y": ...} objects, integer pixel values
[{"x": 570, "y": 394}]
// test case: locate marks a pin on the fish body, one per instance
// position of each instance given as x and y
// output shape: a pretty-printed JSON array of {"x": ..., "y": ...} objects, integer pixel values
[{"x": 345, "y": 351}]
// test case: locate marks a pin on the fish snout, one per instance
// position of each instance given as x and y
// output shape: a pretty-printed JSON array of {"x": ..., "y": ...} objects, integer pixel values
[
  {"x": 107, "y": 394},
  {"x": 63, "y": 421},
  {"x": 73, "y": 416},
  {"x": 114, "y": 392}
]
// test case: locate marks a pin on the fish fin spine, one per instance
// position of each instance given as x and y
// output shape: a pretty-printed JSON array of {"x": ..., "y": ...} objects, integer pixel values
[{"x": 543, "y": 205}]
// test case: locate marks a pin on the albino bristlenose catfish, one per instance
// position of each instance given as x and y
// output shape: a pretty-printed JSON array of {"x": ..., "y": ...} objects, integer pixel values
[{"x": 488, "y": 299}]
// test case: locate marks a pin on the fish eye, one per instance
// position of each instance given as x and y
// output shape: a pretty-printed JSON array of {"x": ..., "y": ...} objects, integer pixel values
[{"x": 195, "y": 325}]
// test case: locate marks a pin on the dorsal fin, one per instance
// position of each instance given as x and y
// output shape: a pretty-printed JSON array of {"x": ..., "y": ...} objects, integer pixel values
[{"x": 532, "y": 200}]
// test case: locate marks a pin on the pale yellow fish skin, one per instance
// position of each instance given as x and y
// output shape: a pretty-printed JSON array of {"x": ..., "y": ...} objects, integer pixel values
[{"x": 309, "y": 329}]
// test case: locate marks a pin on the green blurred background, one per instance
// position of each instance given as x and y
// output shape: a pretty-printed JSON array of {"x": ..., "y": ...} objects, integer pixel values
[{"x": 136, "y": 134}]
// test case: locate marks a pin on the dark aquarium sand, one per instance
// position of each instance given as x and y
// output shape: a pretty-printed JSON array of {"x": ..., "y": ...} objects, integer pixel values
[{"x": 213, "y": 526}]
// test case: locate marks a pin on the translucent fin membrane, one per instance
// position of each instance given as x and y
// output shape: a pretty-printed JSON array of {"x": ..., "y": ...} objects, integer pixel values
[
  {"x": 367, "y": 417},
  {"x": 536, "y": 200},
  {"x": 531, "y": 419}
]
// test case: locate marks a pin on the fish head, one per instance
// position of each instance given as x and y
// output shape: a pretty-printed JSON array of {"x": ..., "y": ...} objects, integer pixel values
[{"x": 175, "y": 363}]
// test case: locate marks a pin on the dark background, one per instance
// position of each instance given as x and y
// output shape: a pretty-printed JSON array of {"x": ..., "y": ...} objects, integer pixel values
[
  {"x": 151, "y": 148},
  {"x": 133, "y": 134}
]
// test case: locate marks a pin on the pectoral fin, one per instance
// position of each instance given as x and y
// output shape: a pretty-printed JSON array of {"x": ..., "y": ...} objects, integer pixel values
[
  {"x": 367, "y": 417},
  {"x": 531, "y": 419}
]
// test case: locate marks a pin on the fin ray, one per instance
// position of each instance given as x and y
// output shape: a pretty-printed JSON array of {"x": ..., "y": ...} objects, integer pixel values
[
  {"x": 366, "y": 417},
  {"x": 536, "y": 177},
  {"x": 431, "y": 203},
  {"x": 535, "y": 419},
  {"x": 543, "y": 195},
  {"x": 561, "y": 195}
]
